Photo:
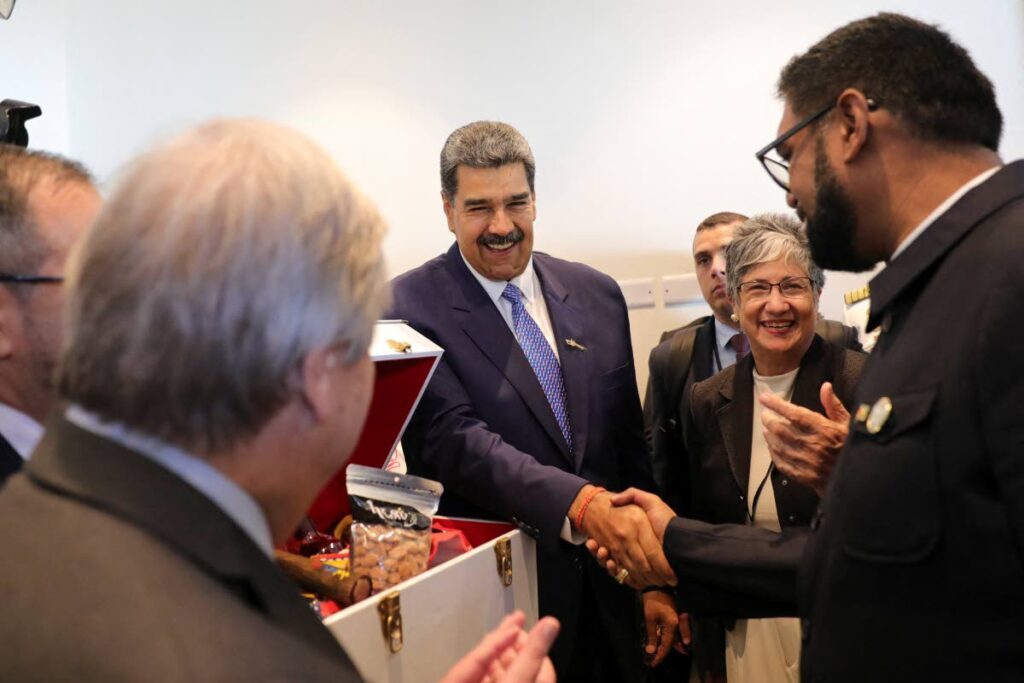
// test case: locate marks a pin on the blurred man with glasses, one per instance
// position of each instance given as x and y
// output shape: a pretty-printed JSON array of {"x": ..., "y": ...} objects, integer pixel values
[{"x": 46, "y": 204}]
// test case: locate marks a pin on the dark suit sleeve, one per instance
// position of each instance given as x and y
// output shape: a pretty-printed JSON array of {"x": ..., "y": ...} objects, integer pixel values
[
  {"x": 668, "y": 456},
  {"x": 735, "y": 571},
  {"x": 648, "y": 400}
]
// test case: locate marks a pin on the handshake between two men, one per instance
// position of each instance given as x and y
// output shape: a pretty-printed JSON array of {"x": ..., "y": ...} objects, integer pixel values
[{"x": 626, "y": 530}]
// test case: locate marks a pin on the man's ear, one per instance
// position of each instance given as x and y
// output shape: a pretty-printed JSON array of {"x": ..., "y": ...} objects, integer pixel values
[
  {"x": 449, "y": 210},
  {"x": 316, "y": 380},
  {"x": 855, "y": 123}
]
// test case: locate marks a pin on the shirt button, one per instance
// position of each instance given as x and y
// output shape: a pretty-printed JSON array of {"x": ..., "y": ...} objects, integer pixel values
[
  {"x": 785, "y": 482},
  {"x": 792, "y": 519},
  {"x": 741, "y": 499}
]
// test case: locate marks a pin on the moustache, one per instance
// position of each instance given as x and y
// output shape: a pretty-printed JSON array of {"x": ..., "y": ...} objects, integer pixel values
[{"x": 489, "y": 240}]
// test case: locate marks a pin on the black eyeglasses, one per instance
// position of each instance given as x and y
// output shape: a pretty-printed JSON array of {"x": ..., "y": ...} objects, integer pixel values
[
  {"x": 779, "y": 169},
  {"x": 790, "y": 288},
  {"x": 31, "y": 279}
]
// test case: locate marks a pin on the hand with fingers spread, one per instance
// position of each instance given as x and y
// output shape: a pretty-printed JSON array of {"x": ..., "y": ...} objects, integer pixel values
[
  {"x": 624, "y": 531},
  {"x": 662, "y": 626},
  {"x": 657, "y": 514},
  {"x": 804, "y": 445},
  {"x": 508, "y": 654}
]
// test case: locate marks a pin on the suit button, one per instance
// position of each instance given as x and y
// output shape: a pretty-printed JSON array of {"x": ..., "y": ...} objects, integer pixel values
[
  {"x": 785, "y": 482},
  {"x": 792, "y": 519},
  {"x": 672, "y": 423}
]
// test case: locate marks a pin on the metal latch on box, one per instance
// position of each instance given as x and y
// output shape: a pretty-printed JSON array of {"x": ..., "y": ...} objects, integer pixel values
[
  {"x": 503, "y": 554},
  {"x": 391, "y": 620}
]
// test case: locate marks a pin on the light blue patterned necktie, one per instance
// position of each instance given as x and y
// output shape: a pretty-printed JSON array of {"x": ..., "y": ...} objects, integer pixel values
[{"x": 541, "y": 357}]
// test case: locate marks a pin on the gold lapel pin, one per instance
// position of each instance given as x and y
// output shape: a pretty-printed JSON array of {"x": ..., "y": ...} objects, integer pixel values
[
  {"x": 399, "y": 346},
  {"x": 879, "y": 415},
  {"x": 572, "y": 343}
]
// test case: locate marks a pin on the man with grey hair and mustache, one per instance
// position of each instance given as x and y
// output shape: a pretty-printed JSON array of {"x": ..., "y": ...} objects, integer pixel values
[
  {"x": 217, "y": 375},
  {"x": 533, "y": 411}
]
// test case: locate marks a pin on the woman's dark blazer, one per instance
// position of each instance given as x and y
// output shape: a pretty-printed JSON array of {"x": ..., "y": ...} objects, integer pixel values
[{"x": 717, "y": 451}]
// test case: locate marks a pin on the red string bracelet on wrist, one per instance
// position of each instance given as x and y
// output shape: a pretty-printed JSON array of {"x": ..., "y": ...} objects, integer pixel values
[{"x": 586, "y": 503}]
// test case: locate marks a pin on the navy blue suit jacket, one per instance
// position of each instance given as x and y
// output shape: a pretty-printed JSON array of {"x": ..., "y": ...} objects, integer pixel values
[{"x": 485, "y": 430}]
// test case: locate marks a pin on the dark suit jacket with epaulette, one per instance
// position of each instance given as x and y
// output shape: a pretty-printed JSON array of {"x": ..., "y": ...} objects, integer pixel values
[
  {"x": 914, "y": 570},
  {"x": 115, "y": 569}
]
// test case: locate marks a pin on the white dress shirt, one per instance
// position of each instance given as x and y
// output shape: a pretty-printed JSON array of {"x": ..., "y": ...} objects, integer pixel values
[
  {"x": 533, "y": 300},
  {"x": 20, "y": 430},
  {"x": 234, "y": 501}
]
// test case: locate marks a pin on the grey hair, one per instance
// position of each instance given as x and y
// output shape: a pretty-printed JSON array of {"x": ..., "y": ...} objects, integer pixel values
[
  {"x": 483, "y": 144},
  {"x": 222, "y": 259},
  {"x": 767, "y": 237},
  {"x": 22, "y": 249}
]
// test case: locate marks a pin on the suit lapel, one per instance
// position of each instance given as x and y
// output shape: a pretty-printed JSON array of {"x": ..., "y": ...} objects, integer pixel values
[
  {"x": 484, "y": 325},
  {"x": 107, "y": 475},
  {"x": 735, "y": 421},
  {"x": 703, "y": 351},
  {"x": 10, "y": 460},
  {"x": 568, "y": 323}
]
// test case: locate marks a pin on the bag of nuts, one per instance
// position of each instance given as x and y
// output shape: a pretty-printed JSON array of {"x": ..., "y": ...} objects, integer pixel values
[{"x": 391, "y": 516}]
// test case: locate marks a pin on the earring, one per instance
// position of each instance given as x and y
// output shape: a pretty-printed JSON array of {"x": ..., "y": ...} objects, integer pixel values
[{"x": 735, "y": 318}]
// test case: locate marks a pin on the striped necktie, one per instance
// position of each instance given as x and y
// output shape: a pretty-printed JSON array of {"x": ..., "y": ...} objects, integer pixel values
[{"x": 541, "y": 357}]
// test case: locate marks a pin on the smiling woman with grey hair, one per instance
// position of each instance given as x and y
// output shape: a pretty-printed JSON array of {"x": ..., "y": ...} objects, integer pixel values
[{"x": 774, "y": 288}]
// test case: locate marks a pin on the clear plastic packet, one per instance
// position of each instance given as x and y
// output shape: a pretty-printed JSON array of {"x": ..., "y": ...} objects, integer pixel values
[{"x": 391, "y": 517}]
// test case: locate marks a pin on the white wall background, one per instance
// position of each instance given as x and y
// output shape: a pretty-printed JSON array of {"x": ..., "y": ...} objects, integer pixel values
[{"x": 643, "y": 116}]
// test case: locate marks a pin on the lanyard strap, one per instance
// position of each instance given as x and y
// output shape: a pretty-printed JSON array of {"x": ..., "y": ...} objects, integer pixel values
[{"x": 757, "y": 494}]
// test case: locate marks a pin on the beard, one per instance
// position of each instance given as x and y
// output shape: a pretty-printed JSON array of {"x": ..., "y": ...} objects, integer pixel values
[{"x": 832, "y": 226}]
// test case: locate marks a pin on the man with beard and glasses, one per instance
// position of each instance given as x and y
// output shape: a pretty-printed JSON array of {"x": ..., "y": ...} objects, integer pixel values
[
  {"x": 914, "y": 565},
  {"x": 533, "y": 410},
  {"x": 46, "y": 204}
]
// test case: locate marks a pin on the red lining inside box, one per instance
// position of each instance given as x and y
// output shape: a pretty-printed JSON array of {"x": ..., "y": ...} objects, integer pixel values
[{"x": 397, "y": 386}]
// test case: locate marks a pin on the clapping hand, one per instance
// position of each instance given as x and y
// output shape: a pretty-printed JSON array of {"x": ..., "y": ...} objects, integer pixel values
[{"x": 508, "y": 654}]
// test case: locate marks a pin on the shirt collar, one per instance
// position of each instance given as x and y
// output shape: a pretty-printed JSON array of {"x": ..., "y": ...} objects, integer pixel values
[
  {"x": 943, "y": 208},
  {"x": 20, "y": 430},
  {"x": 525, "y": 281},
  {"x": 234, "y": 501},
  {"x": 724, "y": 333}
]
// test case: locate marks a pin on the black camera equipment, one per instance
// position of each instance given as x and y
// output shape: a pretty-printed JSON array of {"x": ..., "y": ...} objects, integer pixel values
[{"x": 13, "y": 115}]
